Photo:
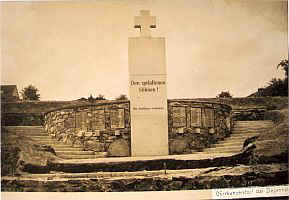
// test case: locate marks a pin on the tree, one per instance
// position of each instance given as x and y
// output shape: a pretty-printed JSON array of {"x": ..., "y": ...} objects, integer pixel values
[
  {"x": 121, "y": 97},
  {"x": 100, "y": 97},
  {"x": 224, "y": 94},
  {"x": 30, "y": 93},
  {"x": 284, "y": 65},
  {"x": 90, "y": 98},
  {"x": 278, "y": 87}
]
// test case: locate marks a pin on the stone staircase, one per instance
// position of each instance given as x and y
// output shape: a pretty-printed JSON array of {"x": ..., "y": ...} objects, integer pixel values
[
  {"x": 231, "y": 145},
  {"x": 241, "y": 131},
  {"x": 62, "y": 150}
]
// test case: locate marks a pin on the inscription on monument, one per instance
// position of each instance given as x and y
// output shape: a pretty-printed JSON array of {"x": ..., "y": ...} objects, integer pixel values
[
  {"x": 208, "y": 117},
  {"x": 196, "y": 117},
  {"x": 78, "y": 120},
  {"x": 179, "y": 116},
  {"x": 117, "y": 118},
  {"x": 98, "y": 120}
]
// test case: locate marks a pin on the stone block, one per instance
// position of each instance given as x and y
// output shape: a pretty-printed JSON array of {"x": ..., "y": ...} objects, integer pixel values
[
  {"x": 178, "y": 145},
  {"x": 197, "y": 130},
  {"x": 88, "y": 134},
  {"x": 180, "y": 130},
  {"x": 119, "y": 148},
  {"x": 94, "y": 146},
  {"x": 211, "y": 130},
  {"x": 97, "y": 133},
  {"x": 111, "y": 137}
]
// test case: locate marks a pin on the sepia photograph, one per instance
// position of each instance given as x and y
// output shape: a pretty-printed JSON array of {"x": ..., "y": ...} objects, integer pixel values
[{"x": 159, "y": 99}]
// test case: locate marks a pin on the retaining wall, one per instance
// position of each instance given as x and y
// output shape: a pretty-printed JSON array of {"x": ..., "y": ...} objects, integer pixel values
[{"x": 105, "y": 127}]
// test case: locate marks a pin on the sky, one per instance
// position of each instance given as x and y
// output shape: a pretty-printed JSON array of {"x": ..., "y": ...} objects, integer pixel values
[{"x": 70, "y": 50}]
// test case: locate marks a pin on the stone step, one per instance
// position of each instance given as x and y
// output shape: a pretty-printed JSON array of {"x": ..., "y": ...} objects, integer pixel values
[
  {"x": 27, "y": 131},
  {"x": 254, "y": 125},
  {"x": 41, "y": 137},
  {"x": 82, "y": 156},
  {"x": 241, "y": 137},
  {"x": 23, "y": 127},
  {"x": 65, "y": 148},
  {"x": 249, "y": 131},
  {"x": 68, "y": 153},
  {"x": 32, "y": 134},
  {"x": 230, "y": 143},
  {"x": 54, "y": 141},
  {"x": 47, "y": 140},
  {"x": 224, "y": 149},
  {"x": 254, "y": 121},
  {"x": 246, "y": 132},
  {"x": 251, "y": 128},
  {"x": 234, "y": 136},
  {"x": 60, "y": 145}
]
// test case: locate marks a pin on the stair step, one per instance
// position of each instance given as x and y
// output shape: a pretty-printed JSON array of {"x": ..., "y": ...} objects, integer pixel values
[
  {"x": 246, "y": 133},
  {"x": 60, "y": 145},
  {"x": 255, "y": 121},
  {"x": 223, "y": 149},
  {"x": 82, "y": 156},
  {"x": 74, "y": 152},
  {"x": 52, "y": 141},
  {"x": 251, "y": 128},
  {"x": 253, "y": 125},
  {"x": 23, "y": 127},
  {"x": 42, "y": 137},
  {"x": 230, "y": 143},
  {"x": 242, "y": 137},
  {"x": 65, "y": 148}
]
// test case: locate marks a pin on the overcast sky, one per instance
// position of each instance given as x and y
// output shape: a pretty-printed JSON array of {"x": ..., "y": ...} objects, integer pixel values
[{"x": 71, "y": 50}]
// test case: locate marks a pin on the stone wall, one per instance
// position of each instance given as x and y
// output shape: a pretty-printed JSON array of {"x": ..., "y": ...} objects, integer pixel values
[
  {"x": 97, "y": 127},
  {"x": 105, "y": 127},
  {"x": 247, "y": 114},
  {"x": 196, "y": 125}
]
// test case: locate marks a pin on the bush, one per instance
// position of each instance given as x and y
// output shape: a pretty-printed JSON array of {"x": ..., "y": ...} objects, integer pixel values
[
  {"x": 225, "y": 94},
  {"x": 30, "y": 93}
]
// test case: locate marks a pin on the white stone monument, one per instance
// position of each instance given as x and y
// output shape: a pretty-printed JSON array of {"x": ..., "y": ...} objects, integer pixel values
[{"x": 148, "y": 93}]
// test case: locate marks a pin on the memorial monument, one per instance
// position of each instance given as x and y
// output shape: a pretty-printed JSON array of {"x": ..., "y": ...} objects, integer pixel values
[{"x": 148, "y": 93}]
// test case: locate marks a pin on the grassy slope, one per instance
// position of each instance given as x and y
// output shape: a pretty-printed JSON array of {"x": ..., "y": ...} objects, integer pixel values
[
  {"x": 18, "y": 150},
  {"x": 272, "y": 145}
]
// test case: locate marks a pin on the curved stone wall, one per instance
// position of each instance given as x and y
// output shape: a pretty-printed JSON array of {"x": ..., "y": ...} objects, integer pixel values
[{"x": 105, "y": 127}]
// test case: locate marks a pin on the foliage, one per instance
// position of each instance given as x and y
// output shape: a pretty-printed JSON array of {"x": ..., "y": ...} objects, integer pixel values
[
  {"x": 100, "y": 97},
  {"x": 90, "y": 98},
  {"x": 284, "y": 65},
  {"x": 276, "y": 87},
  {"x": 122, "y": 97},
  {"x": 30, "y": 93},
  {"x": 224, "y": 94}
]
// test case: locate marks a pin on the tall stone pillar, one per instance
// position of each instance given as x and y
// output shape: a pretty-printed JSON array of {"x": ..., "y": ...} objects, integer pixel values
[{"x": 148, "y": 90}]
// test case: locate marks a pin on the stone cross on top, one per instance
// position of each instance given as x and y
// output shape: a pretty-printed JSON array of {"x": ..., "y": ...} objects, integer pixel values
[{"x": 145, "y": 22}]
